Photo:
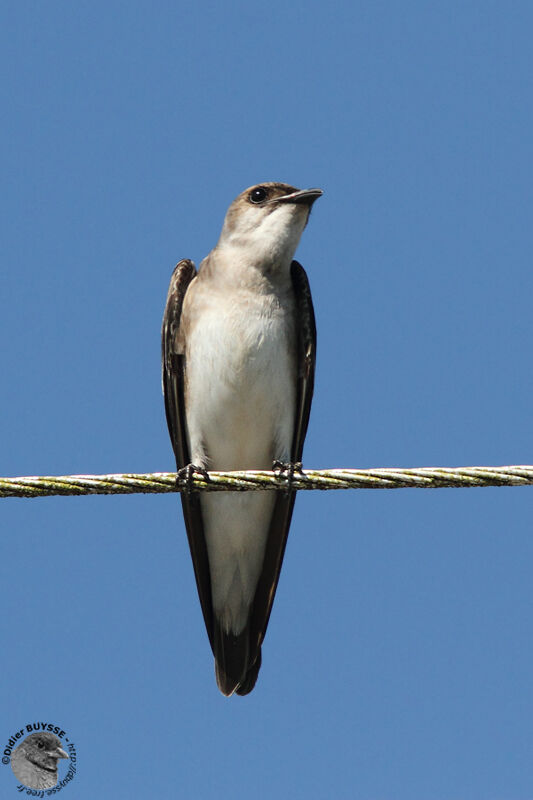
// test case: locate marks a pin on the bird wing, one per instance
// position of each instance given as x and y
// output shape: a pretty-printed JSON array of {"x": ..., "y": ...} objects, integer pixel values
[
  {"x": 281, "y": 516},
  {"x": 173, "y": 367}
]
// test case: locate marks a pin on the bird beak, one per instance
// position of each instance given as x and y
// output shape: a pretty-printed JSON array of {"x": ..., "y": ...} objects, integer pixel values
[
  {"x": 58, "y": 752},
  {"x": 305, "y": 196}
]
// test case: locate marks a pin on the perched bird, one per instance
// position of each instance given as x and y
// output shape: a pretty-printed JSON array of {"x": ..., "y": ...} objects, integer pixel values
[
  {"x": 34, "y": 761},
  {"x": 238, "y": 351}
]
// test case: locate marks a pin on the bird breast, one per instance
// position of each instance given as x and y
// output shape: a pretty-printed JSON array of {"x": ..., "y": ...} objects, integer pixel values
[{"x": 240, "y": 380}]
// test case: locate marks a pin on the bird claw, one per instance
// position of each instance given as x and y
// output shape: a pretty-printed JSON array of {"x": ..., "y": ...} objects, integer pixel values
[
  {"x": 185, "y": 475},
  {"x": 288, "y": 468}
]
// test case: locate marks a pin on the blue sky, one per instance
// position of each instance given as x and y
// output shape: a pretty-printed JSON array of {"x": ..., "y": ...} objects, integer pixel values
[{"x": 399, "y": 655}]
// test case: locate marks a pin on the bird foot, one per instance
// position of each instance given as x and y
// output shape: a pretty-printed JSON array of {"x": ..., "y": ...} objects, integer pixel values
[
  {"x": 288, "y": 468},
  {"x": 185, "y": 475}
]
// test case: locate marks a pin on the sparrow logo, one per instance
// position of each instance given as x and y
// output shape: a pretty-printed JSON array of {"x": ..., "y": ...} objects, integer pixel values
[{"x": 35, "y": 752}]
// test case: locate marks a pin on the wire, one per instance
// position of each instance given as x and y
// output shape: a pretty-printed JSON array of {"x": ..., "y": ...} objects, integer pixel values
[{"x": 164, "y": 482}]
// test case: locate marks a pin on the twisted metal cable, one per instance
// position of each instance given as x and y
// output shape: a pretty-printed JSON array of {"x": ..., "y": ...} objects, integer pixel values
[{"x": 164, "y": 482}]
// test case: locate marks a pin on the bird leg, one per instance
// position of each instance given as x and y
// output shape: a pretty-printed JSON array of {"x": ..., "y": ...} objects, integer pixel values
[
  {"x": 185, "y": 475},
  {"x": 288, "y": 468}
]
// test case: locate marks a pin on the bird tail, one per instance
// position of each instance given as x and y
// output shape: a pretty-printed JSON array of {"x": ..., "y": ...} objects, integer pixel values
[{"x": 236, "y": 668}]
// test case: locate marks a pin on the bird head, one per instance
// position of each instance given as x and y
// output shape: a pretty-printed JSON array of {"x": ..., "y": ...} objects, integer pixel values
[
  {"x": 265, "y": 222},
  {"x": 42, "y": 749}
]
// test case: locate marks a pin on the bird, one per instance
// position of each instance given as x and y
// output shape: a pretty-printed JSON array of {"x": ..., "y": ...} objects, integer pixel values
[
  {"x": 34, "y": 761},
  {"x": 238, "y": 366}
]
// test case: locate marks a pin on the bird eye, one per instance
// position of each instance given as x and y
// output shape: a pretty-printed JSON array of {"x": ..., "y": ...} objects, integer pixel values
[
  {"x": 258, "y": 195},
  {"x": 40, "y": 745}
]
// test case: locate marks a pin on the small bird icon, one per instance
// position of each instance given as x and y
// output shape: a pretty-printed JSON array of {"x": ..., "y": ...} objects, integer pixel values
[
  {"x": 34, "y": 761},
  {"x": 239, "y": 345}
]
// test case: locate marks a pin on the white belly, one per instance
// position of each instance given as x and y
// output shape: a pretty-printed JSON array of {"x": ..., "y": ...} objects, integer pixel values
[{"x": 241, "y": 394}]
